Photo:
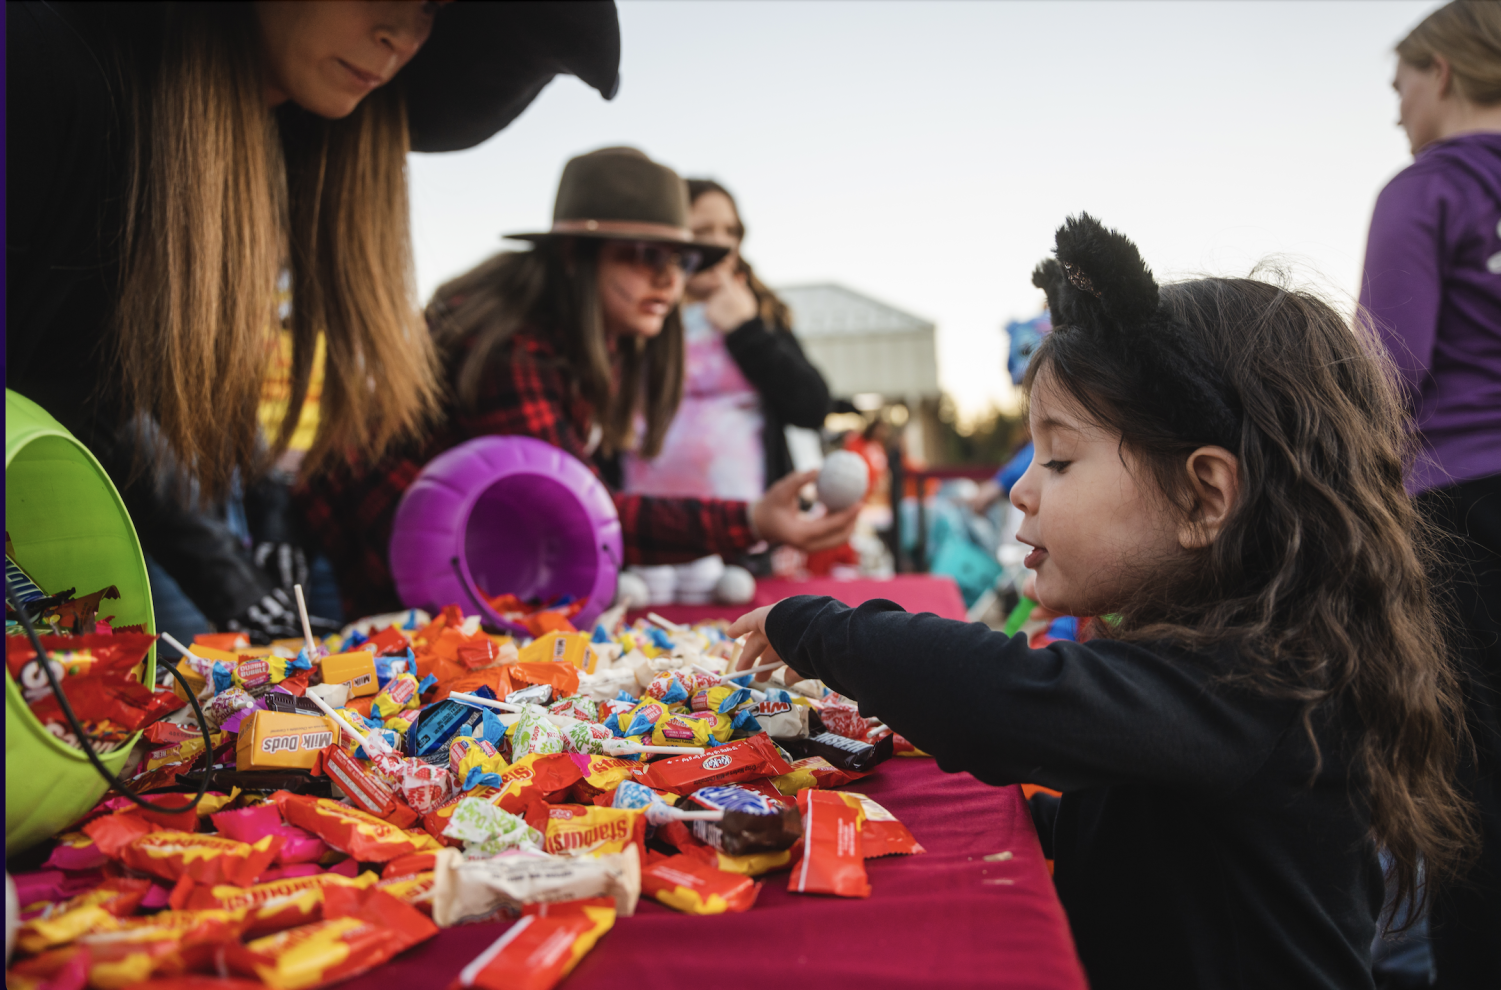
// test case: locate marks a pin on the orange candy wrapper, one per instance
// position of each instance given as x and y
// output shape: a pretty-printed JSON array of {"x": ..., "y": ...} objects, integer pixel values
[
  {"x": 92, "y": 910},
  {"x": 350, "y": 830},
  {"x": 692, "y": 886},
  {"x": 833, "y": 860},
  {"x": 280, "y": 904},
  {"x": 882, "y": 834},
  {"x": 361, "y": 929},
  {"x": 204, "y": 858},
  {"x": 539, "y": 950},
  {"x": 167, "y": 943}
]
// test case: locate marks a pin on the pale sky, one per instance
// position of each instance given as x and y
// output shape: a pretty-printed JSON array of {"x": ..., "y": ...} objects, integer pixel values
[{"x": 924, "y": 153}]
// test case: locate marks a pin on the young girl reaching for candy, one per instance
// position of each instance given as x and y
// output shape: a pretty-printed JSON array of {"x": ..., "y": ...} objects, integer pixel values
[{"x": 1219, "y": 470}]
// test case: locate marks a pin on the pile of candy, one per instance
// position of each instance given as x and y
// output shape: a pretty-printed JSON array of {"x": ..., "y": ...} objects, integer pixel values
[{"x": 419, "y": 772}]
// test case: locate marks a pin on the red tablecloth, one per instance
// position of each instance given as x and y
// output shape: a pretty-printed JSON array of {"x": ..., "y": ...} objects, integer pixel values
[
  {"x": 945, "y": 918},
  {"x": 936, "y": 593}
]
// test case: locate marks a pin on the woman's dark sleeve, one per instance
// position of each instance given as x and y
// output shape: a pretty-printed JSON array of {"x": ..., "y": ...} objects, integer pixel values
[
  {"x": 1069, "y": 716},
  {"x": 775, "y": 364}
]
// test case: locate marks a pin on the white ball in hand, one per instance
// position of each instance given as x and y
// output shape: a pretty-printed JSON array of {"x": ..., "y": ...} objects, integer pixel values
[
  {"x": 631, "y": 591},
  {"x": 736, "y": 586},
  {"x": 843, "y": 480}
]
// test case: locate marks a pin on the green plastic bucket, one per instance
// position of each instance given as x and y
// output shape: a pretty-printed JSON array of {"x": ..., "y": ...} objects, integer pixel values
[{"x": 69, "y": 529}]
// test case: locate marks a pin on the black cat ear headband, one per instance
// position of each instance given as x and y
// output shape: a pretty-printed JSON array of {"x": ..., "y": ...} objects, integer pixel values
[{"x": 1099, "y": 287}]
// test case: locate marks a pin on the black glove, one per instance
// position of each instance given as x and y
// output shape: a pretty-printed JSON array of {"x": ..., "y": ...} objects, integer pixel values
[
  {"x": 275, "y": 617},
  {"x": 284, "y": 563}
]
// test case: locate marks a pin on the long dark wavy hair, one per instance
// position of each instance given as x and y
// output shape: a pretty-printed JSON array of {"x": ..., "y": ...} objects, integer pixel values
[
  {"x": 1318, "y": 581},
  {"x": 554, "y": 289}
]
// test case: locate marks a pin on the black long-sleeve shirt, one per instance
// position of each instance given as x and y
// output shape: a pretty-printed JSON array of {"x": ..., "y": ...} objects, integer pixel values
[
  {"x": 1196, "y": 844},
  {"x": 792, "y": 391}
]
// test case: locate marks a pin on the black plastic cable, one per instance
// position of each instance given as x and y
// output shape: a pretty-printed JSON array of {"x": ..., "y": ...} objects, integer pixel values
[{"x": 45, "y": 660}]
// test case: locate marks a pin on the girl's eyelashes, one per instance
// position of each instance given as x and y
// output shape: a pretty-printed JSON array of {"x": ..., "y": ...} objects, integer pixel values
[{"x": 1056, "y": 465}]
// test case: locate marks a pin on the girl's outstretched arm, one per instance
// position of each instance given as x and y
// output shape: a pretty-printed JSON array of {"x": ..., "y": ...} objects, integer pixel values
[{"x": 1070, "y": 716}]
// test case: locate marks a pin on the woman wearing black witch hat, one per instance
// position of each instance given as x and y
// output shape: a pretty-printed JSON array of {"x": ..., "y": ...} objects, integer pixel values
[{"x": 168, "y": 161}]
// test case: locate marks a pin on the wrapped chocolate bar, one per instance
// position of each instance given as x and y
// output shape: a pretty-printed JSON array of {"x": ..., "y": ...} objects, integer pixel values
[
  {"x": 843, "y": 752},
  {"x": 467, "y": 890},
  {"x": 752, "y": 823},
  {"x": 743, "y": 759}
]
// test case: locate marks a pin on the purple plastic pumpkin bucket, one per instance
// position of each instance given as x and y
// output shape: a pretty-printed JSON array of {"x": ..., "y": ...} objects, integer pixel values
[{"x": 498, "y": 515}]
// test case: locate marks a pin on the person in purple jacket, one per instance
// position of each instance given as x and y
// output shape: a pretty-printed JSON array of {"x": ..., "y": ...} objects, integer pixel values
[{"x": 1432, "y": 287}]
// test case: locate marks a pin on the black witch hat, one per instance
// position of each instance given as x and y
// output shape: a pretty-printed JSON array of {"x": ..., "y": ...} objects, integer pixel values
[{"x": 486, "y": 62}]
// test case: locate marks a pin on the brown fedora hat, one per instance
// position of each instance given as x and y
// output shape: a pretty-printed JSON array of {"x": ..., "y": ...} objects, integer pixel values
[{"x": 620, "y": 194}]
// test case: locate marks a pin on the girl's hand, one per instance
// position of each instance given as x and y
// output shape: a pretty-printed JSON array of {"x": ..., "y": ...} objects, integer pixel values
[
  {"x": 778, "y": 518},
  {"x": 752, "y": 625},
  {"x": 731, "y": 302}
]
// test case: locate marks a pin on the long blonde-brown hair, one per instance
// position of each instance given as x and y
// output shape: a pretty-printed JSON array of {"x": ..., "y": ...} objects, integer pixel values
[
  {"x": 554, "y": 289},
  {"x": 1468, "y": 35},
  {"x": 221, "y": 194}
]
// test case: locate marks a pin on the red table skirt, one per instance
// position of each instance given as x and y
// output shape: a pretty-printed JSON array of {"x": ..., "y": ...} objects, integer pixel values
[
  {"x": 947, "y": 917},
  {"x": 934, "y": 593}
]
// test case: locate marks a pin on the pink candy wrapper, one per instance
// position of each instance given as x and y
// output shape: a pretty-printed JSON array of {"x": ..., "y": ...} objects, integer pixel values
[{"x": 254, "y": 823}]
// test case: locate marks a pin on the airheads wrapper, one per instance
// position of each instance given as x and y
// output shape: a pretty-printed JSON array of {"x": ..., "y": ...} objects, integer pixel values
[
  {"x": 580, "y": 829},
  {"x": 743, "y": 759},
  {"x": 833, "y": 860},
  {"x": 539, "y": 950},
  {"x": 466, "y": 890},
  {"x": 172, "y": 855},
  {"x": 692, "y": 886},
  {"x": 359, "y": 834}
]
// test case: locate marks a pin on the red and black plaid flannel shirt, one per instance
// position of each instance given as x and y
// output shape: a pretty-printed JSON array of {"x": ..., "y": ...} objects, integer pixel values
[{"x": 525, "y": 391}]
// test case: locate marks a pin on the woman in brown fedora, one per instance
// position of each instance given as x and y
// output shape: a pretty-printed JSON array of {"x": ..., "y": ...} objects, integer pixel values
[{"x": 571, "y": 342}]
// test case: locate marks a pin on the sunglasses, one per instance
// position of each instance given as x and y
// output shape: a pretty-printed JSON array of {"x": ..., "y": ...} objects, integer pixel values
[{"x": 649, "y": 254}]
